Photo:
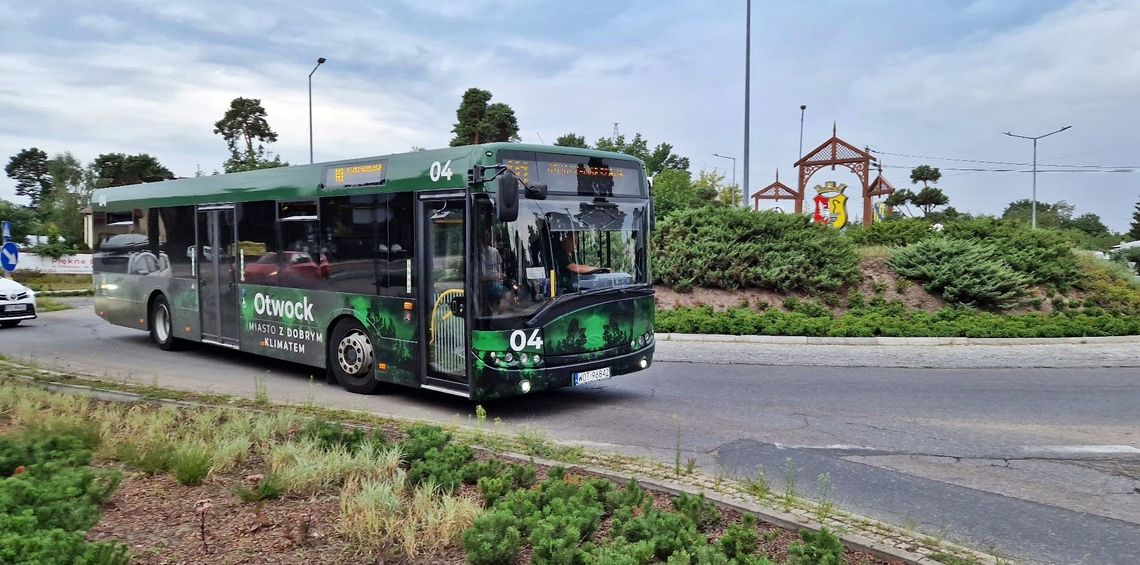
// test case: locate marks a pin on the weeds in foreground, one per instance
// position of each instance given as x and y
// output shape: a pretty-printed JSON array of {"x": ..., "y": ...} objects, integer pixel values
[
  {"x": 387, "y": 512},
  {"x": 758, "y": 486},
  {"x": 260, "y": 391},
  {"x": 824, "y": 492},
  {"x": 789, "y": 498},
  {"x": 262, "y": 487}
]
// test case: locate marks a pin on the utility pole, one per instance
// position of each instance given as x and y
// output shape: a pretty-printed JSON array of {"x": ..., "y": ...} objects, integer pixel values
[
  {"x": 1033, "y": 221},
  {"x": 320, "y": 61},
  {"x": 747, "y": 79},
  {"x": 802, "y": 108}
]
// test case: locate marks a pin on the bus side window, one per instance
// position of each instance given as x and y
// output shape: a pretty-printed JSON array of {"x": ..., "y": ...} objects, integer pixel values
[
  {"x": 351, "y": 227},
  {"x": 176, "y": 240},
  {"x": 257, "y": 242},
  {"x": 397, "y": 257},
  {"x": 302, "y": 260}
]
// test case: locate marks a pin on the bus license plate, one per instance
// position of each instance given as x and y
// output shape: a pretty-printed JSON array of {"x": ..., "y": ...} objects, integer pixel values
[
  {"x": 15, "y": 307},
  {"x": 591, "y": 376}
]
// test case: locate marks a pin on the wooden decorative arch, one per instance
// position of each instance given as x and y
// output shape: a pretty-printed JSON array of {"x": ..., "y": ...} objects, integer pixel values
[
  {"x": 774, "y": 191},
  {"x": 835, "y": 152}
]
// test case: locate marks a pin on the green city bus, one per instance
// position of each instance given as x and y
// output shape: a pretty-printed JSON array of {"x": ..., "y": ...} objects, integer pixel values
[{"x": 483, "y": 271}]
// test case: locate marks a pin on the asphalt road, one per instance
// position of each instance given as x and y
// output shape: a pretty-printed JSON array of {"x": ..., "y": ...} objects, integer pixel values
[{"x": 1038, "y": 464}]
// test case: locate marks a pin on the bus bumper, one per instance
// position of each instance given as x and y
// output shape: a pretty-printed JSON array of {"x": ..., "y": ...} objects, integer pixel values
[{"x": 492, "y": 382}]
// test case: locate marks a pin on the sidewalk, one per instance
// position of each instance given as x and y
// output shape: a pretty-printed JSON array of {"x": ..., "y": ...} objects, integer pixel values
[{"x": 913, "y": 353}]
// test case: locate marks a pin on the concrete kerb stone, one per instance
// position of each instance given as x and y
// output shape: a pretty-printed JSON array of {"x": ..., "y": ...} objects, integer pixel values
[{"x": 893, "y": 341}]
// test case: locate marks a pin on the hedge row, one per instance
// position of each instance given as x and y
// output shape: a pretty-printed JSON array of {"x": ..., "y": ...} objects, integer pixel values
[{"x": 896, "y": 322}]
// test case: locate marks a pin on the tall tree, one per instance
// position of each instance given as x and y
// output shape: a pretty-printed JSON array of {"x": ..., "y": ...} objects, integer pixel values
[
  {"x": 572, "y": 140},
  {"x": 1049, "y": 215},
  {"x": 656, "y": 160},
  {"x": 1134, "y": 231},
  {"x": 482, "y": 122},
  {"x": 29, "y": 168},
  {"x": 925, "y": 174},
  {"x": 23, "y": 220},
  {"x": 117, "y": 169},
  {"x": 1090, "y": 224},
  {"x": 242, "y": 125},
  {"x": 928, "y": 199},
  {"x": 901, "y": 197},
  {"x": 672, "y": 191},
  {"x": 72, "y": 184}
]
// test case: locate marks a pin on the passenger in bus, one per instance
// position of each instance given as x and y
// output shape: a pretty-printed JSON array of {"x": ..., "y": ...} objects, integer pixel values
[{"x": 496, "y": 294}]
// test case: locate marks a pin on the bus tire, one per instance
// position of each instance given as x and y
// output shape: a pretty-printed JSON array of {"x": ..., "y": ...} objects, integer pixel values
[
  {"x": 351, "y": 357},
  {"x": 162, "y": 324}
]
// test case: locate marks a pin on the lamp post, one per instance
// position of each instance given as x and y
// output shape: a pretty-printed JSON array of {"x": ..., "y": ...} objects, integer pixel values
[
  {"x": 747, "y": 78},
  {"x": 1033, "y": 220},
  {"x": 733, "y": 165},
  {"x": 802, "y": 108},
  {"x": 320, "y": 61}
]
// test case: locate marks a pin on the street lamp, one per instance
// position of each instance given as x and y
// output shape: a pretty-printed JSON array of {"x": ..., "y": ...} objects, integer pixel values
[
  {"x": 802, "y": 108},
  {"x": 747, "y": 83},
  {"x": 1033, "y": 221},
  {"x": 733, "y": 165},
  {"x": 320, "y": 61}
]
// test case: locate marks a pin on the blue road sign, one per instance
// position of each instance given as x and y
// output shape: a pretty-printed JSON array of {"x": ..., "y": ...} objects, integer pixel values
[
  {"x": 9, "y": 256},
  {"x": 6, "y": 230}
]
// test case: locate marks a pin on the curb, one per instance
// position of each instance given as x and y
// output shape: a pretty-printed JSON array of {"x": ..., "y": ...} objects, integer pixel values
[{"x": 894, "y": 341}]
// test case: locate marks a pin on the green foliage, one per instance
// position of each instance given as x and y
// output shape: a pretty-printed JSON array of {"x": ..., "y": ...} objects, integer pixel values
[
  {"x": 23, "y": 220},
  {"x": 244, "y": 123},
  {"x": 925, "y": 174},
  {"x": 739, "y": 540},
  {"x": 151, "y": 456},
  {"x": 29, "y": 168},
  {"x": 1134, "y": 227},
  {"x": 660, "y": 158},
  {"x": 665, "y": 532},
  {"x": 1045, "y": 256},
  {"x": 191, "y": 464},
  {"x": 672, "y": 191},
  {"x": 572, "y": 140},
  {"x": 494, "y": 538},
  {"x": 734, "y": 248},
  {"x": 963, "y": 272},
  {"x": 118, "y": 169},
  {"x": 331, "y": 435},
  {"x": 443, "y": 467},
  {"x": 422, "y": 438},
  {"x": 268, "y": 487},
  {"x": 482, "y": 122},
  {"x": 892, "y": 319},
  {"x": 818, "y": 548},
  {"x": 894, "y": 232},
  {"x": 702, "y": 512},
  {"x": 46, "y": 508}
]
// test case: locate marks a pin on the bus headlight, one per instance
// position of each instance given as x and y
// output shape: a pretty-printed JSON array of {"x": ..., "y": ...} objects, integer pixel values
[
  {"x": 509, "y": 357},
  {"x": 644, "y": 363},
  {"x": 524, "y": 386},
  {"x": 523, "y": 358}
]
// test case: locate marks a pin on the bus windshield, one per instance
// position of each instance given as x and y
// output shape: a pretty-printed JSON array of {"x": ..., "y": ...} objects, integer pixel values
[{"x": 556, "y": 247}]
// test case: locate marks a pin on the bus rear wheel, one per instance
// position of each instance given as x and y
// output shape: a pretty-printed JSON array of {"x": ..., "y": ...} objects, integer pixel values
[
  {"x": 351, "y": 358},
  {"x": 162, "y": 325}
]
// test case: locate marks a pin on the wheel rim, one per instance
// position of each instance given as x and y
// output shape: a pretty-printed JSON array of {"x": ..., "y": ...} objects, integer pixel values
[
  {"x": 162, "y": 323},
  {"x": 354, "y": 353}
]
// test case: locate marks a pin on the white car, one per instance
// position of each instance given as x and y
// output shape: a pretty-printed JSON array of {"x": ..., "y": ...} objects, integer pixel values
[{"x": 17, "y": 303}]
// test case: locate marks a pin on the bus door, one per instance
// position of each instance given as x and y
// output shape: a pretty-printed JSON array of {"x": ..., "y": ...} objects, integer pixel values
[
  {"x": 217, "y": 276},
  {"x": 444, "y": 249}
]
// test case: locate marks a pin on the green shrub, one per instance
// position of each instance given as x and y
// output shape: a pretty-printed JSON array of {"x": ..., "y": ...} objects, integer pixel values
[
  {"x": 734, "y": 248},
  {"x": 443, "y": 467},
  {"x": 894, "y": 232},
  {"x": 961, "y": 271},
  {"x": 1044, "y": 256},
  {"x": 494, "y": 538},
  {"x": 421, "y": 439},
  {"x": 739, "y": 540},
  {"x": 268, "y": 487},
  {"x": 817, "y": 548},
  {"x": 666, "y": 532},
  {"x": 702, "y": 512},
  {"x": 329, "y": 435}
]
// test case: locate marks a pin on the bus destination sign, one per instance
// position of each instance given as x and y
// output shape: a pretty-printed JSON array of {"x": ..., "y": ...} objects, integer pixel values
[{"x": 356, "y": 174}]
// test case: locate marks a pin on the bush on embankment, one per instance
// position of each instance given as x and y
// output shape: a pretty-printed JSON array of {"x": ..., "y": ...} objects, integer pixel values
[
  {"x": 734, "y": 248},
  {"x": 892, "y": 319}
]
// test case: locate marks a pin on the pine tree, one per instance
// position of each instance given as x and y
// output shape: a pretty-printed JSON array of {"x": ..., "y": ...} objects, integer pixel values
[{"x": 1134, "y": 233}]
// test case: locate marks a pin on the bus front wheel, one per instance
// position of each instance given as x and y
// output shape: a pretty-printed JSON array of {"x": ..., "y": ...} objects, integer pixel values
[
  {"x": 162, "y": 324},
  {"x": 351, "y": 357}
]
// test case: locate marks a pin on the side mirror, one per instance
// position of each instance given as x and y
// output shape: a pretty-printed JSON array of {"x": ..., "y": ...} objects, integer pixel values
[
  {"x": 458, "y": 306},
  {"x": 507, "y": 197},
  {"x": 536, "y": 192}
]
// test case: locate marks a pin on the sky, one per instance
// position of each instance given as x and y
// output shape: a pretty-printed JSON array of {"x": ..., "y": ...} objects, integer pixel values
[{"x": 918, "y": 81}]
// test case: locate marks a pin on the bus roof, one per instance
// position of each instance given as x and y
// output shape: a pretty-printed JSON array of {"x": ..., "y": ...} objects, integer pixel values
[{"x": 400, "y": 172}]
